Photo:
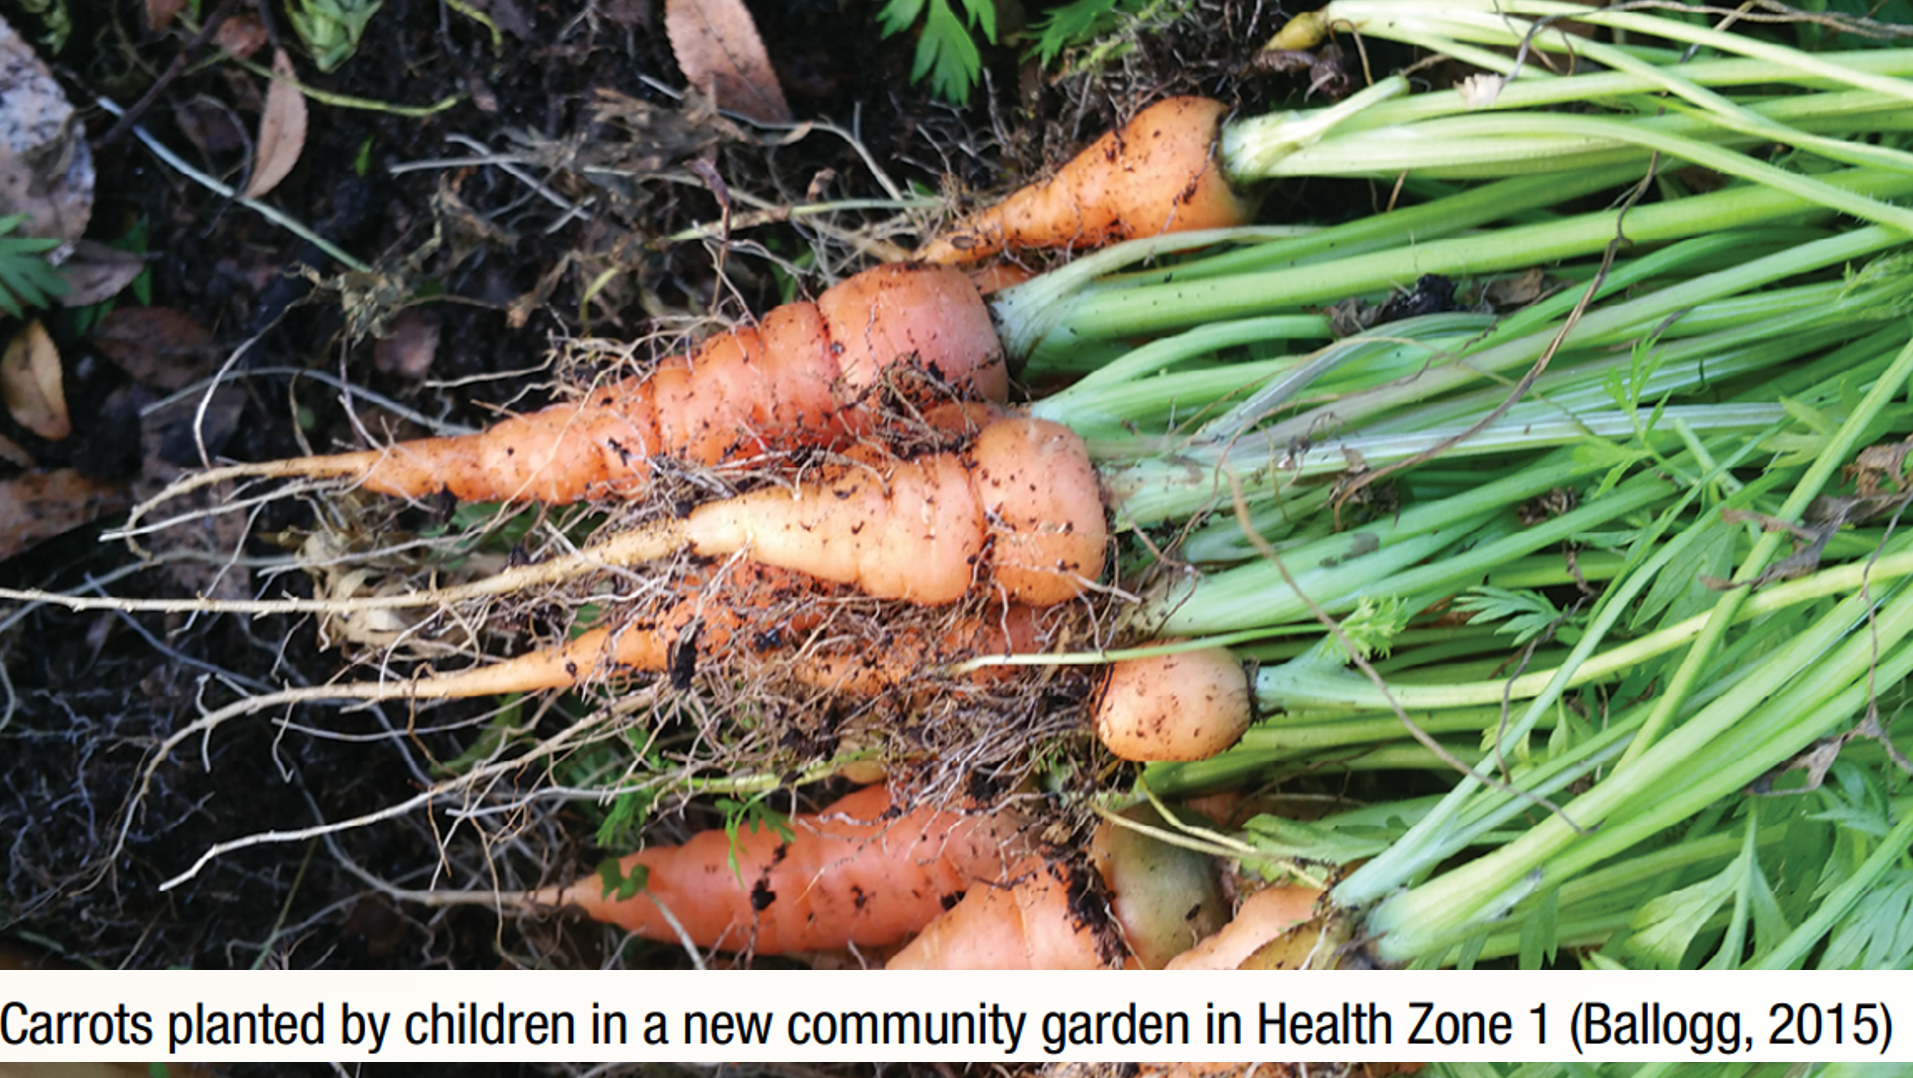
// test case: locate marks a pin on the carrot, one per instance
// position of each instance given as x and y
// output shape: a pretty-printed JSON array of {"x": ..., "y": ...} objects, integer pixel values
[
  {"x": 1138, "y": 903},
  {"x": 752, "y": 617},
  {"x": 1186, "y": 706},
  {"x": 1048, "y": 918},
  {"x": 800, "y": 378},
  {"x": 1025, "y": 496},
  {"x": 857, "y": 872},
  {"x": 1266, "y": 917},
  {"x": 1156, "y": 174},
  {"x": 1164, "y": 897},
  {"x": 1023, "y": 508}
]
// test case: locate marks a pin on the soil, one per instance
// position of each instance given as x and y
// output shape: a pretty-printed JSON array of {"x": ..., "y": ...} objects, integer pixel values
[{"x": 535, "y": 209}]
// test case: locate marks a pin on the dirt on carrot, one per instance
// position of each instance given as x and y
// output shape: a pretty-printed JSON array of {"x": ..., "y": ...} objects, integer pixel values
[
  {"x": 1157, "y": 173},
  {"x": 857, "y": 872}
]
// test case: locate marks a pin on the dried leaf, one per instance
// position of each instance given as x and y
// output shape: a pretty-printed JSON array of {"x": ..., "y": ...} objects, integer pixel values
[
  {"x": 241, "y": 35},
  {"x": 161, "y": 13},
  {"x": 96, "y": 273},
  {"x": 30, "y": 381},
  {"x": 1516, "y": 291},
  {"x": 36, "y": 506},
  {"x": 157, "y": 346},
  {"x": 717, "y": 46},
  {"x": 282, "y": 129},
  {"x": 46, "y": 169}
]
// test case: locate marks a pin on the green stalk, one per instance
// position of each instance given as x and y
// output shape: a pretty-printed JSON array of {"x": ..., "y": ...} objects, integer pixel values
[
  {"x": 1816, "y": 704},
  {"x": 1497, "y": 142},
  {"x": 1413, "y": 922},
  {"x": 1441, "y": 835},
  {"x": 1490, "y": 16},
  {"x": 1149, "y": 309},
  {"x": 1445, "y": 216},
  {"x": 1256, "y": 595},
  {"x": 1834, "y": 456},
  {"x": 1349, "y": 690},
  {"x": 1624, "y": 319},
  {"x": 1537, "y": 88}
]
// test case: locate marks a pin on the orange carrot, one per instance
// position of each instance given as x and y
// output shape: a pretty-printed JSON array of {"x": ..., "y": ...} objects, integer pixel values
[
  {"x": 1187, "y": 706},
  {"x": 750, "y": 618},
  {"x": 1156, "y": 174},
  {"x": 1022, "y": 509},
  {"x": 1048, "y": 918},
  {"x": 800, "y": 378},
  {"x": 1155, "y": 900},
  {"x": 1264, "y": 917},
  {"x": 854, "y": 873},
  {"x": 1025, "y": 496}
]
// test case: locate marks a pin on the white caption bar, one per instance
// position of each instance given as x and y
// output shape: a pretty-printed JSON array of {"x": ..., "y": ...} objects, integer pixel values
[{"x": 797, "y": 1016}]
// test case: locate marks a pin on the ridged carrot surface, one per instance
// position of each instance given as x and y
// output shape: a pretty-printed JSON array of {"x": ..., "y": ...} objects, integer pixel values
[
  {"x": 802, "y": 377},
  {"x": 852, "y": 874}
]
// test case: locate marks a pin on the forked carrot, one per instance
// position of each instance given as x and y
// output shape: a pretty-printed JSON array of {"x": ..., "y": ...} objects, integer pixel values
[
  {"x": 856, "y": 872},
  {"x": 1158, "y": 173}
]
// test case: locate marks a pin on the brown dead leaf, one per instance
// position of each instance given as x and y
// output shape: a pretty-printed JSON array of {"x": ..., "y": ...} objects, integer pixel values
[
  {"x": 282, "y": 129},
  {"x": 1517, "y": 291},
  {"x": 241, "y": 35},
  {"x": 96, "y": 273},
  {"x": 161, "y": 13},
  {"x": 30, "y": 381},
  {"x": 46, "y": 169},
  {"x": 36, "y": 506},
  {"x": 158, "y": 346},
  {"x": 716, "y": 45}
]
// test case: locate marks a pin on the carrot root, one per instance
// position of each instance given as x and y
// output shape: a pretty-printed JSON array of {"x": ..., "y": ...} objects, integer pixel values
[
  {"x": 1187, "y": 706},
  {"x": 854, "y": 873},
  {"x": 1156, "y": 174},
  {"x": 806, "y": 376},
  {"x": 1263, "y": 919},
  {"x": 1041, "y": 921}
]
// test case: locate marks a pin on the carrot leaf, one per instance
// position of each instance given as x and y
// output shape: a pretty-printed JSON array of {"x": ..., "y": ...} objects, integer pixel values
[
  {"x": 26, "y": 279},
  {"x": 946, "y": 52},
  {"x": 620, "y": 886}
]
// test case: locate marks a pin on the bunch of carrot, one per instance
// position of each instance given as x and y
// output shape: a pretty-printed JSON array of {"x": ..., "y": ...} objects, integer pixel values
[{"x": 1213, "y": 495}]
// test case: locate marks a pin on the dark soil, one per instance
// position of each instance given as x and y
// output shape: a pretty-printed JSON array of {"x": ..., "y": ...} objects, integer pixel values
[{"x": 502, "y": 272}]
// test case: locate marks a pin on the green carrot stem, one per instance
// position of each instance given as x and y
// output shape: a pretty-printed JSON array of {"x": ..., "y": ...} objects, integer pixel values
[
  {"x": 1494, "y": 143},
  {"x": 1411, "y": 922},
  {"x": 1838, "y": 451},
  {"x": 1358, "y": 692},
  {"x": 1640, "y": 314},
  {"x": 1441, "y": 834},
  {"x": 1148, "y": 309}
]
